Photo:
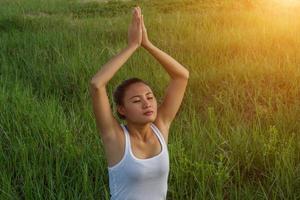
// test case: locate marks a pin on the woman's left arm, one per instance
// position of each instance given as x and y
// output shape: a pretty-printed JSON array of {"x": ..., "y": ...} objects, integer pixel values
[{"x": 177, "y": 85}]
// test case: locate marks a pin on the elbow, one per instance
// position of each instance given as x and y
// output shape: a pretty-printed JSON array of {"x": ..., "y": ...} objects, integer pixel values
[
  {"x": 93, "y": 84},
  {"x": 185, "y": 75},
  {"x": 98, "y": 81},
  {"x": 96, "y": 84}
]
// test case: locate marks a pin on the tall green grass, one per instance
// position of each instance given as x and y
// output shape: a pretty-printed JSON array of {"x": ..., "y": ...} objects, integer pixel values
[{"x": 236, "y": 135}]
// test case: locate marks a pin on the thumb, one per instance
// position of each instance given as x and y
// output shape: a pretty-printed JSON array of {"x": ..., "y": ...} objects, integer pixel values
[
  {"x": 143, "y": 25},
  {"x": 139, "y": 21}
]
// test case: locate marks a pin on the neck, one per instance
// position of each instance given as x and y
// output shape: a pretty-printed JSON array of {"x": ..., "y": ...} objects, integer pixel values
[{"x": 139, "y": 131}]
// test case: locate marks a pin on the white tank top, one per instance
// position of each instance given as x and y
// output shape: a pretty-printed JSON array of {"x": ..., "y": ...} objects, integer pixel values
[{"x": 133, "y": 178}]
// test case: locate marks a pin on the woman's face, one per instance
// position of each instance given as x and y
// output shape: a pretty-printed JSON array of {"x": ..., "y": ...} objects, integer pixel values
[{"x": 139, "y": 104}]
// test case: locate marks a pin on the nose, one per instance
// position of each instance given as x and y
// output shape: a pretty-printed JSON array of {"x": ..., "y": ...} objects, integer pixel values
[{"x": 146, "y": 104}]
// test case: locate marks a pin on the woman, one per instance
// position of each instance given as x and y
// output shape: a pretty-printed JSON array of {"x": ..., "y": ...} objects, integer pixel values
[{"x": 137, "y": 154}]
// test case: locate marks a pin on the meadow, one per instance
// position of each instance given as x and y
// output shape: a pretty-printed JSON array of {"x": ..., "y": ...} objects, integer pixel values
[{"x": 236, "y": 135}]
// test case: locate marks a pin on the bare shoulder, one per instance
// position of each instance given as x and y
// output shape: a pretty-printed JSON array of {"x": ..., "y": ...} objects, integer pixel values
[
  {"x": 114, "y": 145},
  {"x": 114, "y": 135},
  {"x": 163, "y": 128}
]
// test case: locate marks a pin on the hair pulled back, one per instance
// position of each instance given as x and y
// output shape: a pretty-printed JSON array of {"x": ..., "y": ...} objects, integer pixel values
[{"x": 119, "y": 92}]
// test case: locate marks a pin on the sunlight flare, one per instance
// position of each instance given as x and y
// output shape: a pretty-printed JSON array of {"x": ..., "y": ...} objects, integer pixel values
[{"x": 288, "y": 3}]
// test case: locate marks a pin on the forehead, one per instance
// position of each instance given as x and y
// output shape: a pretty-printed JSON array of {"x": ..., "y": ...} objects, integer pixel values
[{"x": 137, "y": 89}]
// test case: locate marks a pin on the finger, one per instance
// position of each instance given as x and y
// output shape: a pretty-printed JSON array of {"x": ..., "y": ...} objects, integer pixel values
[
  {"x": 138, "y": 21},
  {"x": 142, "y": 20},
  {"x": 139, "y": 10},
  {"x": 134, "y": 16},
  {"x": 143, "y": 23},
  {"x": 138, "y": 16},
  {"x": 134, "y": 11}
]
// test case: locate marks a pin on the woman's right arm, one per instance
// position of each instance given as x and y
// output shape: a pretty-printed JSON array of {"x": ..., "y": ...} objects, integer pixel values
[
  {"x": 102, "y": 77},
  {"x": 106, "y": 123}
]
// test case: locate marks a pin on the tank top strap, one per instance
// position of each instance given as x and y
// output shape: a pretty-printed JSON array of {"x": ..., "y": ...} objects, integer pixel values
[
  {"x": 156, "y": 131},
  {"x": 127, "y": 140},
  {"x": 159, "y": 134}
]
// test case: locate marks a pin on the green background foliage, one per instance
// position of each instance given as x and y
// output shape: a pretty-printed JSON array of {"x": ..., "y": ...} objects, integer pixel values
[{"x": 236, "y": 135}]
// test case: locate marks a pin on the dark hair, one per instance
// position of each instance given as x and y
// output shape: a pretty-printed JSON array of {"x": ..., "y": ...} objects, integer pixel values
[{"x": 120, "y": 90}]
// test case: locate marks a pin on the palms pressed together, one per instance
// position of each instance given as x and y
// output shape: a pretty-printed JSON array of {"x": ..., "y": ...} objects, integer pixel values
[{"x": 137, "y": 32}]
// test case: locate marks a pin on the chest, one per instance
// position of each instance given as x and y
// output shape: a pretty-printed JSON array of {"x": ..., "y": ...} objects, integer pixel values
[{"x": 145, "y": 150}]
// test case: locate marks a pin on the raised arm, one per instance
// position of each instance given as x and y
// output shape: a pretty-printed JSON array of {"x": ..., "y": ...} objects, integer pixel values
[
  {"x": 177, "y": 85},
  {"x": 105, "y": 121}
]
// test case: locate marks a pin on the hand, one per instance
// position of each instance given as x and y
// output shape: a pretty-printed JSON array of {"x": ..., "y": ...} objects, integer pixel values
[
  {"x": 135, "y": 28},
  {"x": 145, "y": 40}
]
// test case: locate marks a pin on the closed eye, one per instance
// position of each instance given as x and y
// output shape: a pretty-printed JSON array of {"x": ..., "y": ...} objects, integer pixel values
[{"x": 139, "y": 100}]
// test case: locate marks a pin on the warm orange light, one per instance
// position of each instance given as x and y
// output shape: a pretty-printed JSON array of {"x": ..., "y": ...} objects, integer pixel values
[{"x": 288, "y": 2}]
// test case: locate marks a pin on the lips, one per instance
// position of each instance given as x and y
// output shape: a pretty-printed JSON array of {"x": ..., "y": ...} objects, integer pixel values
[{"x": 148, "y": 113}]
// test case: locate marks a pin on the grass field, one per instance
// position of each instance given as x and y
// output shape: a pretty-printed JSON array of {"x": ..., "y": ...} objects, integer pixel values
[{"x": 236, "y": 135}]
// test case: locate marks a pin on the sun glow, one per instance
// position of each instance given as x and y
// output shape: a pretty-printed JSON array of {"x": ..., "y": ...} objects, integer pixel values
[{"x": 288, "y": 3}]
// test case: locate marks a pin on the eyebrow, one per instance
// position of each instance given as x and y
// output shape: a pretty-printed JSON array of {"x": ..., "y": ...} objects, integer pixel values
[{"x": 139, "y": 95}]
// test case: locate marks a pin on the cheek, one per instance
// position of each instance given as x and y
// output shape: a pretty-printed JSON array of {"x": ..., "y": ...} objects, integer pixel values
[{"x": 132, "y": 107}]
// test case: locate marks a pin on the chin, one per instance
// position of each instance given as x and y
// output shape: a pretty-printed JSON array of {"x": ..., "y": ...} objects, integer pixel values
[
  {"x": 148, "y": 120},
  {"x": 151, "y": 119}
]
